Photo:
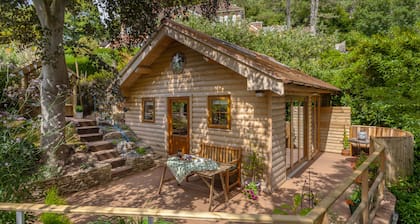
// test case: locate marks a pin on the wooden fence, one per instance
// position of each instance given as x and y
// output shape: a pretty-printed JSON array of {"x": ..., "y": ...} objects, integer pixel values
[
  {"x": 399, "y": 149},
  {"x": 333, "y": 122}
]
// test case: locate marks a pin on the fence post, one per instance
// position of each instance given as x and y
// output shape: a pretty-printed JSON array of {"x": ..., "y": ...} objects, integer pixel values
[
  {"x": 365, "y": 195},
  {"x": 381, "y": 186},
  {"x": 20, "y": 217}
]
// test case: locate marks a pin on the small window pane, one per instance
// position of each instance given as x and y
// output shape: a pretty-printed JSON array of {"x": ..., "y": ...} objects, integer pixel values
[
  {"x": 149, "y": 110},
  {"x": 219, "y": 111}
]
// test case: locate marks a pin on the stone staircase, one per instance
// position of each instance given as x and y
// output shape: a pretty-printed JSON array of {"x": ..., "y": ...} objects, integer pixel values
[{"x": 105, "y": 151}]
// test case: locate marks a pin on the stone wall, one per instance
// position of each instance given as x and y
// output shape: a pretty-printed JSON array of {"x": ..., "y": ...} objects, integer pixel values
[
  {"x": 74, "y": 182},
  {"x": 85, "y": 179},
  {"x": 140, "y": 163}
]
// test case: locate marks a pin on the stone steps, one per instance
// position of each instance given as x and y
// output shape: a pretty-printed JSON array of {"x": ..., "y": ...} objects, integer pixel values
[
  {"x": 86, "y": 122},
  {"x": 115, "y": 162},
  {"x": 120, "y": 171},
  {"x": 91, "y": 137},
  {"x": 105, "y": 154},
  {"x": 99, "y": 146},
  {"x": 87, "y": 130}
]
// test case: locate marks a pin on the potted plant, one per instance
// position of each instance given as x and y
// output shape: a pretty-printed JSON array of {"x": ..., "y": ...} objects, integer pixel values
[
  {"x": 79, "y": 112},
  {"x": 253, "y": 169},
  {"x": 251, "y": 190},
  {"x": 346, "y": 144},
  {"x": 354, "y": 199}
]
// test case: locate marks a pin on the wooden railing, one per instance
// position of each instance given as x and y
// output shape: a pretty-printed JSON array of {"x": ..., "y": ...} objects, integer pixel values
[
  {"x": 365, "y": 211},
  {"x": 373, "y": 131}
]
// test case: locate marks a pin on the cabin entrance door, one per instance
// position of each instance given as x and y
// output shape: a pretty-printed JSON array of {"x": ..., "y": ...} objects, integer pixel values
[{"x": 178, "y": 125}]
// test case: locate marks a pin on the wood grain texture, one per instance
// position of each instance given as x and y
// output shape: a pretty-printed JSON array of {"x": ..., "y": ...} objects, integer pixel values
[{"x": 199, "y": 80}]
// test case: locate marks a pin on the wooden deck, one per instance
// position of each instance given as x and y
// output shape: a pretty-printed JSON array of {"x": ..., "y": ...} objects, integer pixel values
[{"x": 140, "y": 191}]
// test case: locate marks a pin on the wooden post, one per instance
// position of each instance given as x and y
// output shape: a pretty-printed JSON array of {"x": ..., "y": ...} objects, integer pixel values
[
  {"x": 74, "y": 95},
  {"x": 365, "y": 196},
  {"x": 306, "y": 130},
  {"x": 381, "y": 188},
  {"x": 325, "y": 219},
  {"x": 20, "y": 217}
]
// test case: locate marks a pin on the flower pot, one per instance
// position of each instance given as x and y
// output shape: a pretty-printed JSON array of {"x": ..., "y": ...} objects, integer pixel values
[
  {"x": 79, "y": 115},
  {"x": 345, "y": 152}
]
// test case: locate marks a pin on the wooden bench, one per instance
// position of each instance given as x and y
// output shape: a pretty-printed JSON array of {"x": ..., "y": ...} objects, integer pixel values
[{"x": 227, "y": 155}]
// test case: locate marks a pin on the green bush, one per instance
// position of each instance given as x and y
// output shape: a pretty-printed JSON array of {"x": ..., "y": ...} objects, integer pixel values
[
  {"x": 83, "y": 63},
  {"x": 407, "y": 192},
  {"x": 19, "y": 159},
  {"x": 54, "y": 199},
  {"x": 141, "y": 150}
]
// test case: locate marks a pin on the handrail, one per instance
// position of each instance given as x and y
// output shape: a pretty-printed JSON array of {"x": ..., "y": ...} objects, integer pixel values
[
  {"x": 145, "y": 212},
  {"x": 318, "y": 213},
  {"x": 375, "y": 131}
]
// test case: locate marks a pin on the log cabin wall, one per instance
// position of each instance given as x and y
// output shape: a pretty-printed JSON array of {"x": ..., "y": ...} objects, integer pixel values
[
  {"x": 278, "y": 145},
  {"x": 201, "y": 78}
]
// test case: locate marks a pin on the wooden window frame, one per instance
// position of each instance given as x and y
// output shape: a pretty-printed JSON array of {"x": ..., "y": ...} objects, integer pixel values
[
  {"x": 210, "y": 114},
  {"x": 143, "y": 104}
]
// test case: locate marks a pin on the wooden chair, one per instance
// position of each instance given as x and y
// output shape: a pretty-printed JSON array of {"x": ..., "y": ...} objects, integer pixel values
[{"x": 227, "y": 155}]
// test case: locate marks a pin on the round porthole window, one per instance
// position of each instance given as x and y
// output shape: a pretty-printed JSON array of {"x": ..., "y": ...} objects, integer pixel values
[{"x": 178, "y": 63}]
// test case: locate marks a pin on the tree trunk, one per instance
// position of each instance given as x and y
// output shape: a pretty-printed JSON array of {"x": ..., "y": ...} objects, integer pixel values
[
  {"x": 314, "y": 16},
  {"x": 288, "y": 15},
  {"x": 55, "y": 81}
]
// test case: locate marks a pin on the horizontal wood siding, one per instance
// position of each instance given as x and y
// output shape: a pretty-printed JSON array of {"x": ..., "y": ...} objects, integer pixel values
[
  {"x": 278, "y": 141},
  {"x": 199, "y": 80},
  {"x": 333, "y": 122}
]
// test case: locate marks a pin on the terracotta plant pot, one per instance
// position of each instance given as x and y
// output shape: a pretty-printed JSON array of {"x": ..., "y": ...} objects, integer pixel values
[{"x": 345, "y": 152}]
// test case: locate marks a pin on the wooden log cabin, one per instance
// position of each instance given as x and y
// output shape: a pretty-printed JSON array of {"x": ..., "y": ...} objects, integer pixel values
[{"x": 185, "y": 87}]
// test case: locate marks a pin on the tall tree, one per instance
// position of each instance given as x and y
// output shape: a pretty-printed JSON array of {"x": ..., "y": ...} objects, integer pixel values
[
  {"x": 140, "y": 19},
  {"x": 55, "y": 81},
  {"x": 314, "y": 16}
]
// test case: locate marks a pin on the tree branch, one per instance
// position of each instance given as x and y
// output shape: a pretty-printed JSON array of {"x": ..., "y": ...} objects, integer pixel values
[{"x": 43, "y": 11}]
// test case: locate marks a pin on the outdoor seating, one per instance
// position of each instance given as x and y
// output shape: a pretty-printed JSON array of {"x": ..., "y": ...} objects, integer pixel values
[
  {"x": 227, "y": 155},
  {"x": 206, "y": 169},
  {"x": 360, "y": 140}
]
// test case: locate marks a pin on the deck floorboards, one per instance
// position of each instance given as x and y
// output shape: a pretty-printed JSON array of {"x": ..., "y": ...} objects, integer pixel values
[{"x": 139, "y": 190}]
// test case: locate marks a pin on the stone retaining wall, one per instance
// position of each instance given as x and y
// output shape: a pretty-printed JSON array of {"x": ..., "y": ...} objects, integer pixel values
[
  {"x": 85, "y": 179},
  {"x": 140, "y": 163},
  {"x": 74, "y": 182}
]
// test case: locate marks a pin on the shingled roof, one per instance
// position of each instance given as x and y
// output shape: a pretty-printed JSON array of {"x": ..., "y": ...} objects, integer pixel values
[{"x": 250, "y": 64}]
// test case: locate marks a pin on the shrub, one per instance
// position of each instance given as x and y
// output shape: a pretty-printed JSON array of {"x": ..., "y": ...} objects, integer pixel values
[
  {"x": 19, "y": 159},
  {"x": 54, "y": 199},
  {"x": 141, "y": 150},
  {"x": 79, "y": 108},
  {"x": 408, "y": 194}
]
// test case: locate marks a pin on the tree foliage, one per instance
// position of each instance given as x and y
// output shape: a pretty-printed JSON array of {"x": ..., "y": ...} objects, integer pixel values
[{"x": 380, "y": 78}]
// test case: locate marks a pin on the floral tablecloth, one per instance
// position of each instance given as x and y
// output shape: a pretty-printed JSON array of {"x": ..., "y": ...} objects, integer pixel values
[{"x": 181, "y": 168}]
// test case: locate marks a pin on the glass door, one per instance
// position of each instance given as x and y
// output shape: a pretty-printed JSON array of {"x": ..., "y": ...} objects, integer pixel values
[{"x": 178, "y": 125}]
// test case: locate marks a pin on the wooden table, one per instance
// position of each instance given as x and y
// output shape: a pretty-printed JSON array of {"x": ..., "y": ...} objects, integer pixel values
[{"x": 208, "y": 177}]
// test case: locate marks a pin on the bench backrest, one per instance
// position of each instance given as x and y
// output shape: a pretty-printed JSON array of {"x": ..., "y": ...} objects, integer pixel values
[{"x": 221, "y": 154}]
